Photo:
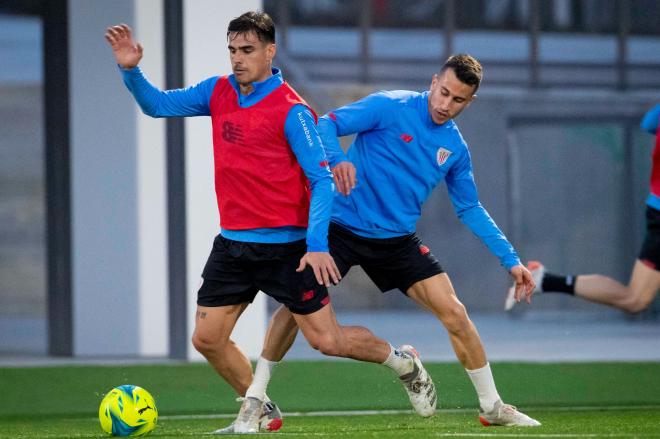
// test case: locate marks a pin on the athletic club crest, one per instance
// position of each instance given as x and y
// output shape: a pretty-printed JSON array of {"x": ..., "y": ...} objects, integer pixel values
[{"x": 442, "y": 155}]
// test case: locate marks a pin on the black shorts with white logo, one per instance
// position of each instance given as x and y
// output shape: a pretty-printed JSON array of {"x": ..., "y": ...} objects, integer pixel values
[
  {"x": 650, "y": 252},
  {"x": 236, "y": 271},
  {"x": 390, "y": 263}
]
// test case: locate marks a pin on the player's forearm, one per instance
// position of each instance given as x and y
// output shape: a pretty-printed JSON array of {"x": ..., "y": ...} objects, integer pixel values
[
  {"x": 320, "y": 209},
  {"x": 145, "y": 94},
  {"x": 463, "y": 196},
  {"x": 483, "y": 226},
  {"x": 328, "y": 133}
]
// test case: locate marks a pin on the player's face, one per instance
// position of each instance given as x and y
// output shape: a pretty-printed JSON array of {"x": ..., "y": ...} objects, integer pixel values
[
  {"x": 448, "y": 96},
  {"x": 251, "y": 59}
]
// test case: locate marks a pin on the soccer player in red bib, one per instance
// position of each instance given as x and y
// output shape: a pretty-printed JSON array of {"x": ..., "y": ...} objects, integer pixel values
[{"x": 274, "y": 192}]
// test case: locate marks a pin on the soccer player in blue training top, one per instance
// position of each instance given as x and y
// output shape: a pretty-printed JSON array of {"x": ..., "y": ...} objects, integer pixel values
[
  {"x": 645, "y": 279},
  {"x": 406, "y": 144},
  {"x": 268, "y": 158}
]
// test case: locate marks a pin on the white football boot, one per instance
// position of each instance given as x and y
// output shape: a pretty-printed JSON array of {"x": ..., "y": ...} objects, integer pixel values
[
  {"x": 419, "y": 385},
  {"x": 506, "y": 415},
  {"x": 271, "y": 420},
  {"x": 538, "y": 271},
  {"x": 271, "y": 417},
  {"x": 248, "y": 417},
  {"x": 226, "y": 430}
]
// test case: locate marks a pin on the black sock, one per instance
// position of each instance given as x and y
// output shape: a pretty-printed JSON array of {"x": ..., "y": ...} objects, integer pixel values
[{"x": 553, "y": 283}]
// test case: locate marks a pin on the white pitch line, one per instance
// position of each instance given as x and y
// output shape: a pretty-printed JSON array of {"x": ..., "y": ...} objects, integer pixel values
[
  {"x": 551, "y": 435},
  {"x": 404, "y": 412},
  {"x": 499, "y": 435}
]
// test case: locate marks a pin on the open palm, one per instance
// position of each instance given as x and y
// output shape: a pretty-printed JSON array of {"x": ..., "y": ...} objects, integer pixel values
[{"x": 127, "y": 52}]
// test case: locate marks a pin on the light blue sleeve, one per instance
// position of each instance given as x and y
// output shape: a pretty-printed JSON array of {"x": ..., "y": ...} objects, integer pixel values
[
  {"x": 463, "y": 195},
  {"x": 190, "y": 101},
  {"x": 366, "y": 114},
  {"x": 301, "y": 133},
  {"x": 328, "y": 132},
  {"x": 363, "y": 115},
  {"x": 651, "y": 119}
]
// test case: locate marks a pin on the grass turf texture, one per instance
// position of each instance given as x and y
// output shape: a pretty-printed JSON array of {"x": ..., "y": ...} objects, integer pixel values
[{"x": 49, "y": 402}]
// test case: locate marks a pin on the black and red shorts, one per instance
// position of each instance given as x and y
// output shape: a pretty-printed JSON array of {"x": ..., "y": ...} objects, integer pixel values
[
  {"x": 236, "y": 271},
  {"x": 650, "y": 252},
  {"x": 390, "y": 263}
]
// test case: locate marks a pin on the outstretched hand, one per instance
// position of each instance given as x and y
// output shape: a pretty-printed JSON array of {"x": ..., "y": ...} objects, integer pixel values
[
  {"x": 323, "y": 265},
  {"x": 127, "y": 52},
  {"x": 524, "y": 283},
  {"x": 344, "y": 175}
]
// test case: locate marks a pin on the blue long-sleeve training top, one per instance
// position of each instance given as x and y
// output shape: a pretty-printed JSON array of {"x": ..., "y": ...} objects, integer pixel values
[
  {"x": 400, "y": 156},
  {"x": 300, "y": 132}
]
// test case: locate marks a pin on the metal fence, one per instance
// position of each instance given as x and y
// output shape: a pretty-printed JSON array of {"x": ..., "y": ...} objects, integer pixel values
[{"x": 545, "y": 35}]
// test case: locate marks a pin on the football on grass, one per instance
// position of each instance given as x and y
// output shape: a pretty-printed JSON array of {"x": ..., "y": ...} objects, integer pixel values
[{"x": 128, "y": 411}]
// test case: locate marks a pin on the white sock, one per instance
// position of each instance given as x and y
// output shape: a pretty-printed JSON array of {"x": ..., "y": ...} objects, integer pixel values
[
  {"x": 398, "y": 362},
  {"x": 484, "y": 384},
  {"x": 262, "y": 374}
]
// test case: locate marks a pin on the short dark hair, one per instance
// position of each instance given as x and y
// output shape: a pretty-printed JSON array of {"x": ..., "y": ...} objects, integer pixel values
[
  {"x": 467, "y": 69},
  {"x": 254, "y": 21}
]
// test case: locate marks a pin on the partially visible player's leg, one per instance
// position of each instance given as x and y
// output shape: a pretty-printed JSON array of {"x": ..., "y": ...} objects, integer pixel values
[
  {"x": 213, "y": 327},
  {"x": 634, "y": 297},
  {"x": 324, "y": 333},
  {"x": 280, "y": 335},
  {"x": 282, "y": 328},
  {"x": 225, "y": 292},
  {"x": 437, "y": 295}
]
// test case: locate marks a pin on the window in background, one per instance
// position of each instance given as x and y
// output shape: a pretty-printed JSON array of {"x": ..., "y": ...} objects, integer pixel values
[{"x": 23, "y": 320}]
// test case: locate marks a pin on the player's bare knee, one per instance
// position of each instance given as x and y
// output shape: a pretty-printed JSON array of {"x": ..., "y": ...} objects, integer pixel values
[
  {"x": 327, "y": 345},
  {"x": 637, "y": 304},
  {"x": 314, "y": 341},
  {"x": 199, "y": 343},
  {"x": 331, "y": 349},
  {"x": 455, "y": 318},
  {"x": 205, "y": 344}
]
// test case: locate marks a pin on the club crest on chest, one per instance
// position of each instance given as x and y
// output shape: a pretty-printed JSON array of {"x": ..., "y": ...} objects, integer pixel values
[{"x": 442, "y": 155}]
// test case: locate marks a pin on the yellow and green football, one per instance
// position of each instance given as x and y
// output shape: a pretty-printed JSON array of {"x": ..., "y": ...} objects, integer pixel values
[{"x": 128, "y": 411}]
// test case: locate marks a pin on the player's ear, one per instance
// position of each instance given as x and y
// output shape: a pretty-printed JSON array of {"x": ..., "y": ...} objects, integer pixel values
[
  {"x": 434, "y": 80},
  {"x": 271, "y": 50},
  {"x": 469, "y": 101}
]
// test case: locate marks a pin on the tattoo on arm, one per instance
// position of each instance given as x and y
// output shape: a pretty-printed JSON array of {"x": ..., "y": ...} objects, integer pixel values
[{"x": 201, "y": 314}]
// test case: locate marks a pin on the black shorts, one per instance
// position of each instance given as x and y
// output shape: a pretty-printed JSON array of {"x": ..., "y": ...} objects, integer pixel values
[
  {"x": 650, "y": 252},
  {"x": 236, "y": 271},
  {"x": 390, "y": 263}
]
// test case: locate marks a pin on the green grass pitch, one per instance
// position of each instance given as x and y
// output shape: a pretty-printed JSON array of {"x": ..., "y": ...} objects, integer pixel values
[{"x": 572, "y": 400}]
